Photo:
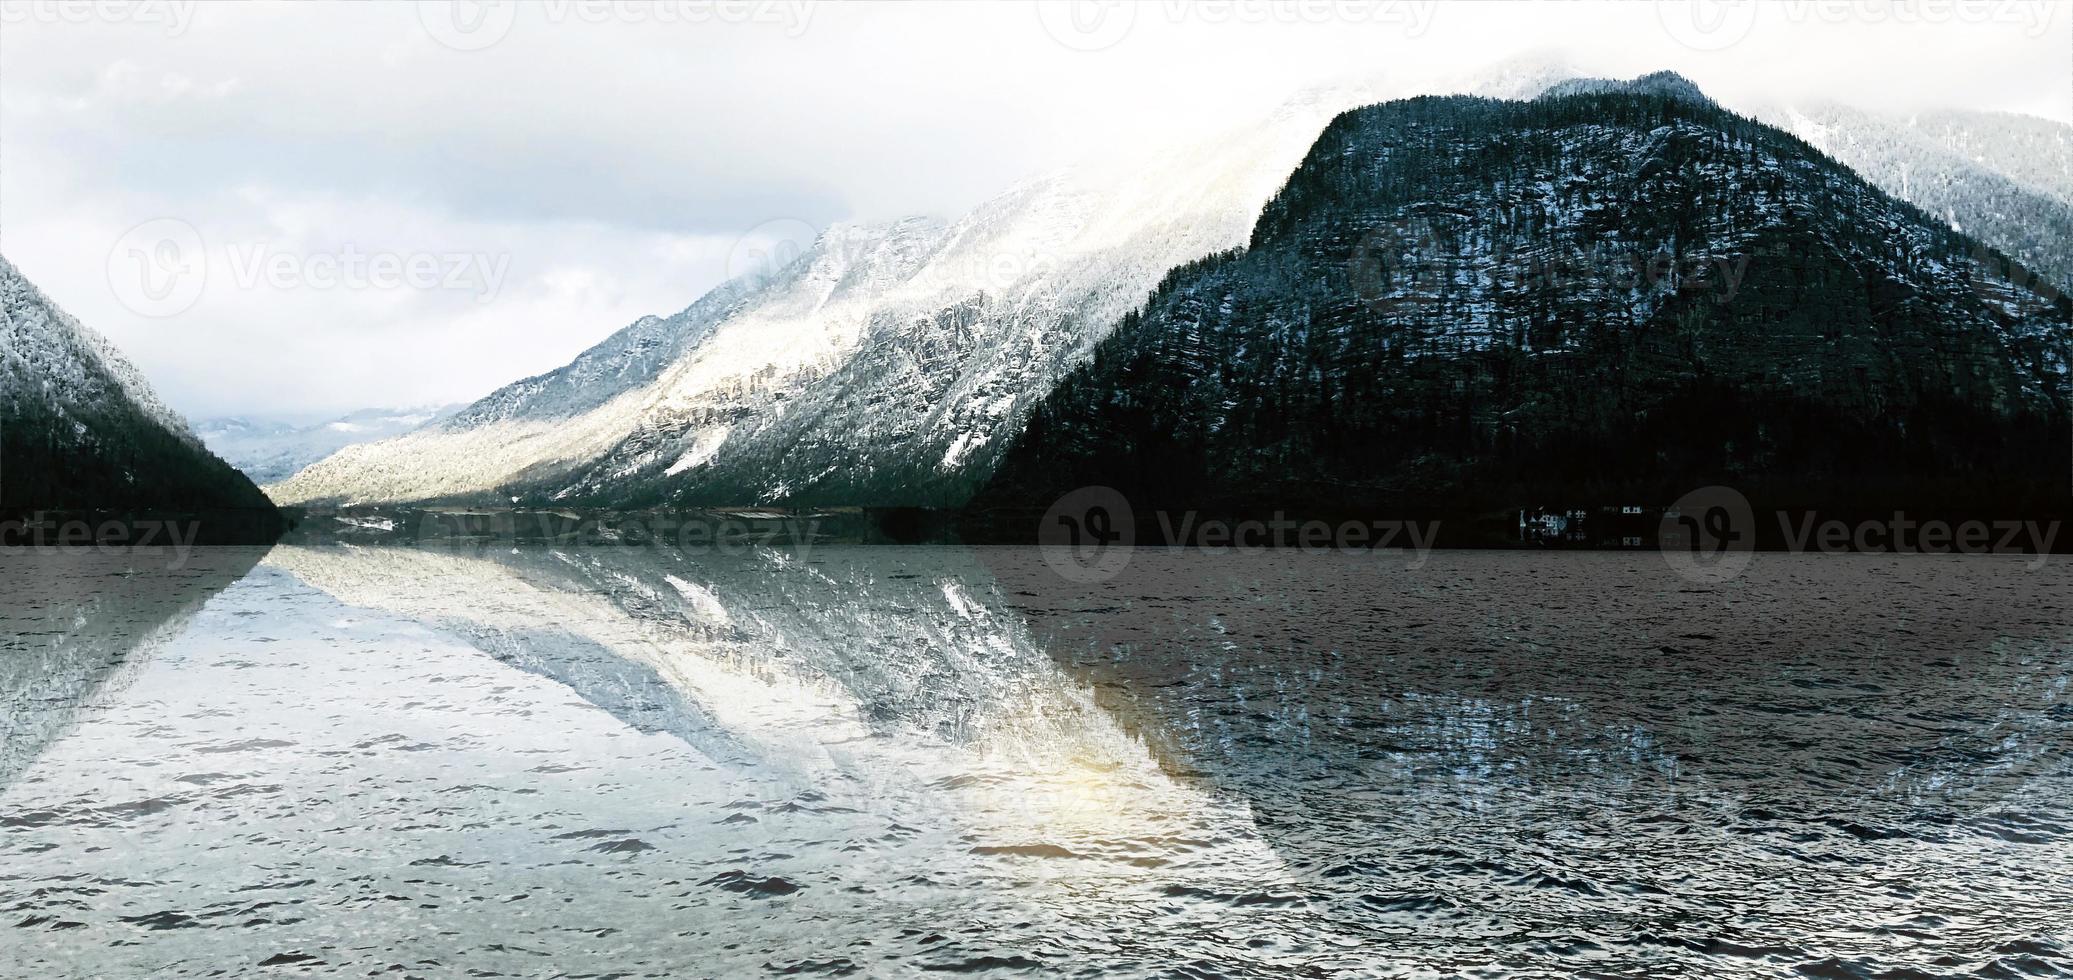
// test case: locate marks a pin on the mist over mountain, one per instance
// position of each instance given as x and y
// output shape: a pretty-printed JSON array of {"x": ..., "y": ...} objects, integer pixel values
[
  {"x": 887, "y": 365},
  {"x": 269, "y": 448}
]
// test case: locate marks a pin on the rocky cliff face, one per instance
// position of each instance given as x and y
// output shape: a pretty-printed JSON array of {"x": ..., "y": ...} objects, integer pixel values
[{"x": 1610, "y": 293}]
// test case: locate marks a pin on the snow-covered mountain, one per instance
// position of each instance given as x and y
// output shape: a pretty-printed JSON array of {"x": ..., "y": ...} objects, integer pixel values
[
  {"x": 77, "y": 370},
  {"x": 2002, "y": 178},
  {"x": 81, "y": 430},
  {"x": 886, "y": 365},
  {"x": 269, "y": 449},
  {"x": 892, "y": 363}
]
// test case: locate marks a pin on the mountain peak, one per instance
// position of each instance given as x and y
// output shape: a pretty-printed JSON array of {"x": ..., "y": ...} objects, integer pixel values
[{"x": 1668, "y": 84}]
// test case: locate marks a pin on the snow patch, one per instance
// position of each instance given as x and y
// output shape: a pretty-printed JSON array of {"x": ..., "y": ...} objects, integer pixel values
[
  {"x": 961, "y": 448},
  {"x": 702, "y": 449}
]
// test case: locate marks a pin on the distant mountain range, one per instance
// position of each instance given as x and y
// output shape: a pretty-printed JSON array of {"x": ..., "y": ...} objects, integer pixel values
[
  {"x": 1622, "y": 292},
  {"x": 270, "y": 449},
  {"x": 897, "y": 364},
  {"x": 81, "y": 431}
]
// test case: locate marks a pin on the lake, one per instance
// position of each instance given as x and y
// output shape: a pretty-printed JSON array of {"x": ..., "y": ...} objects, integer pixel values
[{"x": 638, "y": 761}]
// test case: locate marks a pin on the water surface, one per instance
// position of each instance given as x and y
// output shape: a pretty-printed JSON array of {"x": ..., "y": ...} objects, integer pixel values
[{"x": 870, "y": 761}]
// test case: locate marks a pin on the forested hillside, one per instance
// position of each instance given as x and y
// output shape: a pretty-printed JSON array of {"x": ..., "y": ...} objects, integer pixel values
[{"x": 1599, "y": 296}]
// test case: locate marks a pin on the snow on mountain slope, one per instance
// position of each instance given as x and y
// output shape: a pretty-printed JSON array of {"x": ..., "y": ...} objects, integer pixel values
[
  {"x": 2003, "y": 178},
  {"x": 268, "y": 449},
  {"x": 80, "y": 429},
  {"x": 2034, "y": 152},
  {"x": 955, "y": 358},
  {"x": 75, "y": 369},
  {"x": 738, "y": 344},
  {"x": 884, "y": 366},
  {"x": 890, "y": 364}
]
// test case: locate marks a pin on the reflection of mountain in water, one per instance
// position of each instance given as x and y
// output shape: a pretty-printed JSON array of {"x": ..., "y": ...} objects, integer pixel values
[
  {"x": 555, "y": 625},
  {"x": 886, "y": 760},
  {"x": 888, "y": 680},
  {"x": 78, "y": 625},
  {"x": 1497, "y": 732},
  {"x": 765, "y": 657}
]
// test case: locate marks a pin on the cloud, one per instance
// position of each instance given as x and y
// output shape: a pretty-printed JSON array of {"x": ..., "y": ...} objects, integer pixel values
[{"x": 612, "y": 155}]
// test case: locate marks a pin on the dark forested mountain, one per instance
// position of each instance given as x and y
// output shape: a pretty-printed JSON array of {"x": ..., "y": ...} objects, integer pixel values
[
  {"x": 81, "y": 431},
  {"x": 1621, "y": 292}
]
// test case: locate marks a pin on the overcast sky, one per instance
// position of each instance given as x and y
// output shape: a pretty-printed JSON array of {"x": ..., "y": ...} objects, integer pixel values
[{"x": 305, "y": 207}]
